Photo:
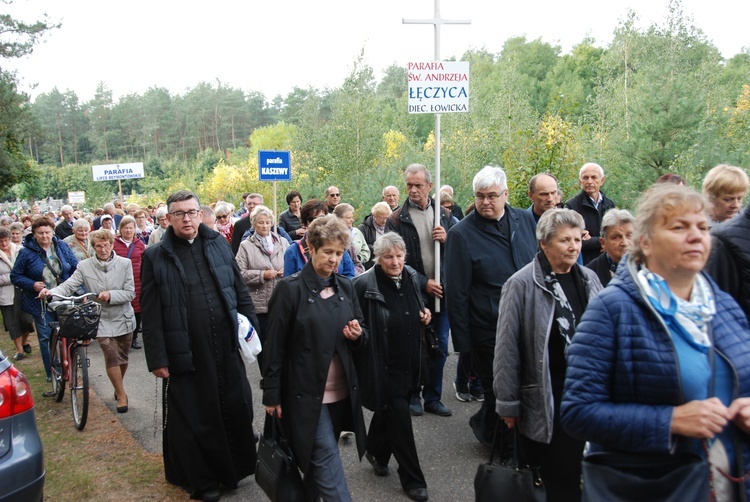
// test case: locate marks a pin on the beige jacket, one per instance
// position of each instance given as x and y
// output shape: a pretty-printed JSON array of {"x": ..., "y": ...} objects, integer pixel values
[{"x": 254, "y": 261}]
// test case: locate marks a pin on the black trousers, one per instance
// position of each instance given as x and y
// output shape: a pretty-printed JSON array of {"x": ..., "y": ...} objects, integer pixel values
[
  {"x": 560, "y": 460},
  {"x": 391, "y": 433},
  {"x": 483, "y": 354}
]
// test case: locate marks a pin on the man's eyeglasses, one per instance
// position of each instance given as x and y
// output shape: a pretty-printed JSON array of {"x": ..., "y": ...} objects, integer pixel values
[
  {"x": 492, "y": 197},
  {"x": 181, "y": 214},
  {"x": 335, "y": 194}
]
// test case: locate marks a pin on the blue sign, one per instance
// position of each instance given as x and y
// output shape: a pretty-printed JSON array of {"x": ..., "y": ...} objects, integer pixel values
[{"x": 274, "y": 165}]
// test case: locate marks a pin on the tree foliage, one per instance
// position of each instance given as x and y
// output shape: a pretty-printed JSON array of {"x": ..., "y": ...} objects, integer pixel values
[{"x": 654, "y": 100}]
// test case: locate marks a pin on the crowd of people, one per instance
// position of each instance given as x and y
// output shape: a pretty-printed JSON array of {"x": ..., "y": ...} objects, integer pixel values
[{"x": 575, "y": 321}]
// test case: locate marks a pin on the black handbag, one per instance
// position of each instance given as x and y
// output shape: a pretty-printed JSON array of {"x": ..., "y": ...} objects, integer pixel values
[
  {"x": 431, "y": 343},
  {"x": 276, "y": 472},
  {"x": 508, "y": 480},
  {"x": 616, "y": 477}
]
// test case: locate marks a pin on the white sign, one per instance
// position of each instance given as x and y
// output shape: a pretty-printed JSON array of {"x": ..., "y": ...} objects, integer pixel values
[
  {"x": 438, "y": 87},
  {"x": 77, "y": 197},
  {"x": 111, "y": 172}
]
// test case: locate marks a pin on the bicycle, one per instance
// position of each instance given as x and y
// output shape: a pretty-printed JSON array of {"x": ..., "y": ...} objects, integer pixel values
[{"x": 78, "y": 323}]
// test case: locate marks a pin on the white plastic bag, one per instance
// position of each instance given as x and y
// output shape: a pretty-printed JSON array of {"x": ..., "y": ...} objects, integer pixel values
[{"x": 248, "y": 338}]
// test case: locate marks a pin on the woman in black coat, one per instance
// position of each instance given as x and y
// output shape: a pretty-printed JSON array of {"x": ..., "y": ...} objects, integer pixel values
[
  {"x": 309, "y": 379},
  {"x": 390, "y": 367}
]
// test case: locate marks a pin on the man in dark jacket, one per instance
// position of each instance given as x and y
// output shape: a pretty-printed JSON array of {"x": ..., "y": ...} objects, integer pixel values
[
  {"x": 543, "y": 192},
  {"x": 109, "y": 209},
  {"x": 617, "y": 237},
  {"x": 415, "y": 222},
  {"x": 455, "y": 209},
  {"x": 243, "y": 224},
  {"x": 591, "y": 203},
  {"x": 191, "y": 294},
  {"x": 729, "y": 264},
  {"x": 482, "y": 251},
  {"x": 65, "y": 227}
]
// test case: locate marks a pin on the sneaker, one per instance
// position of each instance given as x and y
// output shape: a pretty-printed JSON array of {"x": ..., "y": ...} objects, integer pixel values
[
  {"x": 345, "y": 436},
  {"x": 27, "y": 348},
  {"x": 462, "y": 393},
  {"x": 18, "y": 356},
  {"x": 136, "y": 344},
  {"x": 437, "y": 408},
  {"x": 415, "y": 407},
  {"x": 477, "y": 393}
]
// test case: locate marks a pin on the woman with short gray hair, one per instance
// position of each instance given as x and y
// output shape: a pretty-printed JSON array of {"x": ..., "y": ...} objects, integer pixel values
[
  {"x": 79, "y": 242},
  {"x": 540, "y": 306},
  {"x": 373, "y": 228},
  {"x": 358, "y": 250},
  {"x": 389, "y": 367}
]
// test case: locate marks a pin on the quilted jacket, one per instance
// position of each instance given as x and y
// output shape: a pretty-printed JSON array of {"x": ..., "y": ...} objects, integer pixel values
[
  {"x": 622, "y": 381},
  {"x": 29, "y": 268}
]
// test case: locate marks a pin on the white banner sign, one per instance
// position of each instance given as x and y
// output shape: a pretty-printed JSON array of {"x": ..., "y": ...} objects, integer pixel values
[
  {"x": 438, "y": 87},
  {"x": 111, "y": 172},
  {"x": 78, "y": 197}
]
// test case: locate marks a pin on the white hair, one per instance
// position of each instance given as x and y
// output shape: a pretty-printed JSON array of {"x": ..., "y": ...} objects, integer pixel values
[
  {"x": 590, "y": 164},
  {"x": 489, "y": 176}
]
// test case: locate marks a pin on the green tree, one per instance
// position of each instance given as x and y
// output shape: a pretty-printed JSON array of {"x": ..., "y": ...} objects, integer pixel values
[
  {"x": 18, "y": 38},
  {"x": 14, "y": 117},
  {"x": 100, "y": 115}
]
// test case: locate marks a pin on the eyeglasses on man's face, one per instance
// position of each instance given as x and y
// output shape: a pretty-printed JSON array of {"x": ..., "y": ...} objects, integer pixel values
[
  {"x": 491, "y": 197},
  {"x": 193, "y": 213}
]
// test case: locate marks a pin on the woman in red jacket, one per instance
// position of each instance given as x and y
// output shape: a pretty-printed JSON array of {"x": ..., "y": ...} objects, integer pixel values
[{"x": 129, "y": 246}]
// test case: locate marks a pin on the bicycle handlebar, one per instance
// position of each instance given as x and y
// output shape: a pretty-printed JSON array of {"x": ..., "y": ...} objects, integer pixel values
[
  {"x": 68, "y": 300},
  {"x": 74, "y": 298}
]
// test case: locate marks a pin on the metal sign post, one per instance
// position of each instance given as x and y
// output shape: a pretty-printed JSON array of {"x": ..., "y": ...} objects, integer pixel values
[
  {"x": 437, "y": 22},
  {"x": 274, "y": 166}
]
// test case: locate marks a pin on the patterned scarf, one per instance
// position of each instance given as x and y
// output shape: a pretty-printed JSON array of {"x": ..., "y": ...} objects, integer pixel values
[
  {"x": 564, "y": 316},
  {"x": 689, "y": 319}
]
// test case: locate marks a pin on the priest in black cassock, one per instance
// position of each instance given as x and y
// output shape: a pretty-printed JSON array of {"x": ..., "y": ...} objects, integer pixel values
[{"x": 191, "y": 293}]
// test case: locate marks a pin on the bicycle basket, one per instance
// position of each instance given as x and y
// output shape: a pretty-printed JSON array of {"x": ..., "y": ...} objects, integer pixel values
[{"x": 79, "y": 321}]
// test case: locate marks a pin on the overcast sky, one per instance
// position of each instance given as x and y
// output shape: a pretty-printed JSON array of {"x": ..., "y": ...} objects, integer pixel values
[{"x": 272, "y": 46}]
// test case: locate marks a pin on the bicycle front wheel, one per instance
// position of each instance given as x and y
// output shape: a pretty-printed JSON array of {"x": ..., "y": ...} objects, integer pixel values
[
  {"x": 79, "y": 387},
  {"x": 56, "y": 366}
]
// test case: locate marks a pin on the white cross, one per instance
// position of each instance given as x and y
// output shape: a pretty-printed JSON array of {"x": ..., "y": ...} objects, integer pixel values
[{"x": 437, "y": 21}]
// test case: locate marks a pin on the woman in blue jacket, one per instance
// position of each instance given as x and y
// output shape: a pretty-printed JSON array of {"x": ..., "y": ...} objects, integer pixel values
[
  {"x": 661, "y": 358},
  {"x": 44, "y": 262}
]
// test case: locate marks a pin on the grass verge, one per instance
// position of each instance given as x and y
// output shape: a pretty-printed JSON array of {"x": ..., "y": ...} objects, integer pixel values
[{"x": 103, "y": 462}]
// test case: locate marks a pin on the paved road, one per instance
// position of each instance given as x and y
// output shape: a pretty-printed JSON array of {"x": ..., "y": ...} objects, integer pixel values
[{"x": 448, "y": 451}]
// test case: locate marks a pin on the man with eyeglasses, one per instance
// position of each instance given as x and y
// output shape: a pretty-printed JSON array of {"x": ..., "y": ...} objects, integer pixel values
[
  {"x": 243, "y": 224},
  {"x": 415, "y": 222},
  {"x": 161, "y": 226},
  {"x": 191, "y": 293},
  {"x": 481, "y": 252},
  {"x": 333, "y": 197}
]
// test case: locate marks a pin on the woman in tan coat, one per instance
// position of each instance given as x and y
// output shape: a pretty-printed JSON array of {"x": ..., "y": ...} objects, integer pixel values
[{"x": 261, "y": 262}]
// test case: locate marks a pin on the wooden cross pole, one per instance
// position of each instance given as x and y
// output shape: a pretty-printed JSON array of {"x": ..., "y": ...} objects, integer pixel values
[{"x": 437, "y": 21}]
